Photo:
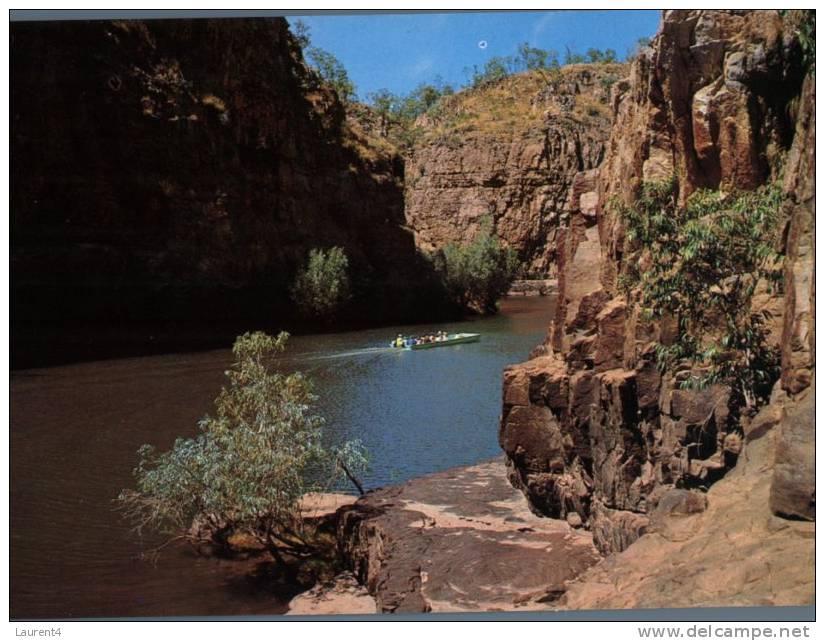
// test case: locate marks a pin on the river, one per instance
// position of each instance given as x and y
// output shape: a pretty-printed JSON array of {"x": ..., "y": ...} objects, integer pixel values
[{"x": 75, "y": 430}]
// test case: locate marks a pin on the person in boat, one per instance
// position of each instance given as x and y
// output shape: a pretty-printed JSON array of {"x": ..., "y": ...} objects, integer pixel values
[{"x": 399, "y": 341}]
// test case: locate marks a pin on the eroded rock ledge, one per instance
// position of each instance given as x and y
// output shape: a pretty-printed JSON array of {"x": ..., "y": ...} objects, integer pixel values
[
  {"x": 460, "y": 540},
  {"x": 735, "y": 553},
  {"x": 509, "y": 153},
  {"x": 465, "y": 540}
]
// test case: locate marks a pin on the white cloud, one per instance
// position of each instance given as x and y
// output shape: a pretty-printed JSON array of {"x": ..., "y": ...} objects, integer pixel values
[
  {"x": 422, "y": 66},
  {"x": 541, "y": 25}
]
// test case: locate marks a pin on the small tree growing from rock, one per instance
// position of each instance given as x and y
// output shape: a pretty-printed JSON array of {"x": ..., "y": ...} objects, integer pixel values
[
  {"x": 250, "y": 464},
  {"x": 702, "y": 264},
  {"x": 323, "y": 285}
]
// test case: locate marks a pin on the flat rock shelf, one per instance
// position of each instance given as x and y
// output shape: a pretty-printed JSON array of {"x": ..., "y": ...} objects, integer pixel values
[{"x": 460, "y": 540}]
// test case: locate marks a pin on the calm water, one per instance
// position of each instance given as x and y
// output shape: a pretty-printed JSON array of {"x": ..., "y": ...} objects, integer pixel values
[{"x": 75, "y": 430}]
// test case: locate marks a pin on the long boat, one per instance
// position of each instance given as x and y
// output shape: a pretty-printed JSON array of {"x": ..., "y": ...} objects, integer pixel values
[{"x": 452, "y": 339}]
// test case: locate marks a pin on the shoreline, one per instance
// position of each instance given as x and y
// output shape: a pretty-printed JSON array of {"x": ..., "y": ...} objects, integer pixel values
[
  {"x": 462, "y": 539},
  {"x": 465, "y": 540}
]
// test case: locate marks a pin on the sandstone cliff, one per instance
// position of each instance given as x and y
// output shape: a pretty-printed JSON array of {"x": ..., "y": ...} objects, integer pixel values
[
  {"x": 180, "y": 170},
  {"x": 590, "y": 425},
  {"x": 509, "y": 151}
]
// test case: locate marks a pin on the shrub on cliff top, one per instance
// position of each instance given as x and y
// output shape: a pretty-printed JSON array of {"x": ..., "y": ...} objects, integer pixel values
[
  {"x": 331, "y": 71},
  {"x": 702, "y": 265},
  {"x": 322, "y": 286},
  {"x": 324, "y": 64},
  {"x": 250, "y": 464},
  {"x": 477, "y": 274}
]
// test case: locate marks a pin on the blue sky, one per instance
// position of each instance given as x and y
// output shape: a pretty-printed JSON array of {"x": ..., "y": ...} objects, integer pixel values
[{"x": 400, "y": 51}]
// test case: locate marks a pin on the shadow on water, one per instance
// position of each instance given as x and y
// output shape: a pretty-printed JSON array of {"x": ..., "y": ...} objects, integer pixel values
[{"x": 75, "y": 431}]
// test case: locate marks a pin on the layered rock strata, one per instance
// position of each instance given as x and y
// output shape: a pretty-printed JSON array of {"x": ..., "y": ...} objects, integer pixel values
[
  {"x": 735, "y": 553},
  {"x": 515, "y": 175},
  {"x": 590, "y": 425}
]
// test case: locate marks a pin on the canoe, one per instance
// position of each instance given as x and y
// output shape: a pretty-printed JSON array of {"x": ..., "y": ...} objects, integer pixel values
[{"x": 452, "y": 339}]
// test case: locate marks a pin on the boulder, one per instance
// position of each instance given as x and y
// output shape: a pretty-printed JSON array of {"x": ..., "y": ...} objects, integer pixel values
[{"x": 793, "y": 488}]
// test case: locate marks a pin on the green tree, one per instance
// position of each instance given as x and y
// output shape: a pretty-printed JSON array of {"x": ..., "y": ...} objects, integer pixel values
[
  {"x": 323, "y": 285},
  {"x": 703, "y": 264},
  {"x": 495, "y": 69},
  {"x": 802, "y": 23},
  {"x": 423, "y": 98},
  {"x": 300, "y": 31},
  {"x": 331, "y": 71},
  {"x": 597, "y": 55},
  {"x": 477, "y": 274},
  {"x": 385, "y": 104},
  {"x": 250, "y": 464},
  {"x": 571, "y": 57},
  {"x": 532, "y": 58}
]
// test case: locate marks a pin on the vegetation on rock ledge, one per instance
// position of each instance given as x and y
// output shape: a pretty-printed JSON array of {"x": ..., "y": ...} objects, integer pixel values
[{"x": 702, "y": 265}]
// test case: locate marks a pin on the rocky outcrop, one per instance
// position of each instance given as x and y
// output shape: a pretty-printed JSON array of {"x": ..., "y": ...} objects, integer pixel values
[
  {"x": 591, "y": 425},
  {"x": 461, "y": 540},
  {"x": 180, "y": 170},
  {"x": 533, "y": 287},
  {"x": 735, "y": 552},
  {"x": 794, "y": 481},
  {"x": 509, "y": 153}
]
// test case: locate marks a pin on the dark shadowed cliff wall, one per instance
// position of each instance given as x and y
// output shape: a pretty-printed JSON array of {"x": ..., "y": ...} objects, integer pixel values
[{"x": 172, "y": 175}]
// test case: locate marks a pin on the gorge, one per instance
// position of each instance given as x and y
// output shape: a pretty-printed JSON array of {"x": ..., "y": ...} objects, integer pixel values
[
  {"x": 593, "y": 430},
  {"x": 198, "y": 172}
]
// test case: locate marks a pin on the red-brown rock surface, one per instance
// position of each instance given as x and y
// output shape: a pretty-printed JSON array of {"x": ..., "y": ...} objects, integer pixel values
[
  {"x": 612, "y": 435},
  {"x": 460, "y": 540},
  {"x": 510, "y": 152},
  {"x": 736, "y": 552}
]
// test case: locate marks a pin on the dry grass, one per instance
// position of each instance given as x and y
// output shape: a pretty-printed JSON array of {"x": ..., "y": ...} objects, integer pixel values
[
  {"x": 371, "y": 148},
  {"x": 517, "y": 103},
  {"x": 513, "y": 104}
]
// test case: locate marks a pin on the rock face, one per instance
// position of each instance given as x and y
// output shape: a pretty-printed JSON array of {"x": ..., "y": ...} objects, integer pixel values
[
  {"x": 590, "y": 425},
  {"x": 181, "y": 170},
  {"x": 737, "y": 552},
  {"x": 461, "y": 540},
  {"x": 516, "y": 172},
  {"x": 794, "y": 483}
]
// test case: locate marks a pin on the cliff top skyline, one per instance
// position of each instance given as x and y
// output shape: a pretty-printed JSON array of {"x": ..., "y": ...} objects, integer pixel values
[{"x": 400, "y": 51}]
